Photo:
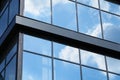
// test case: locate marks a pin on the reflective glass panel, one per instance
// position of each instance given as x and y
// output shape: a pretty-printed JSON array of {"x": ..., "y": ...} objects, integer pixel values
[
  {"x": 11, "y": 53},
  {"x": 36, "y": 67},
  {"x": 93, "y": 59},
  {"x": 111, "y": 27},
  {"x": 93, "y": 3},
  {"x": 110, "y": 7},
  {"x": 113, "y": 65},
  {"x": 66, "y": 52},
  {"x": 3, "y": 22},
  {"x": 2, "y": 65},
  {"x": 37, "y": 45},
  {"x": 38, "y": 9},
  {"x": 64, "y": 14},
  {"x": 66, "y": 71},
  {"x": 13, "y": 10},
  {"x": 92, "y": 74},
  {"x": 89, "y": 21},
  {"x": 113, "y": 77},
  {"x": 11, "y": 70}
]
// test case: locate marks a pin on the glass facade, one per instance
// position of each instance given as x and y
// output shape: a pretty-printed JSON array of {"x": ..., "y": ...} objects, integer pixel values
[
  {"x": 44, "y": 59},
  {"x": 8, "y": 65},
  {"x": 7, "y": 14},
  {"x": 65, "y": 62}
]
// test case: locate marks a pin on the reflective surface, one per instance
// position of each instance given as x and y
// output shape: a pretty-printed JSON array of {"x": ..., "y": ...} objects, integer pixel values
[
  {"x": 66, "y": 52},
  {"x": 36, "y": 67},
  {"x": 66, "y": 71},
  {"x": 93, "y": 3},
  {"x": 110, "y": 7},
  {"x": 65, "y": 63},
  {"x": 91, "y": 74},
  {"x": 89, "y": 21},
  {"x": 113, "y": 65},
  {"x": 11, "y": 70},
  {"x": 111, "y": 27},
  {"x": 3, "y": 22},
  {"x": 37, "y": 45},
  {"x": 64, "y": 14},
  {"x": 93, "y": 59},
  {"x": 38, "y": 9}
]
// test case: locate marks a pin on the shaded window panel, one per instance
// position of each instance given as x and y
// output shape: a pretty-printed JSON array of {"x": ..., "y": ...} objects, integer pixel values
[
  {"x": 38, "y": 9},
  {"x": 2, "y": 75},
  {"x": 113, "y": 65},
  {"x": 89, "y": 21},
  {"x": 111, "y": 27},
  {"x": 64, "y": 14},
  {"x": 93, "y": 3},
  {"x": 113, "y": 77},
  {"x": 91, "y": 74},
  {"x": 37, "y": 45},
  {"x": 3, "y": 22},
  {"x": 66, "y": 52},
  {"x": 11, "y": 53},
  {"x": 2, "y": 65},
  {"x": 36, "y": 67},
  {"x": 66, "y": 71},
  {"x": 11, "y": 70},
  {"x": 110, "y": 7},
  {"x": 93, "y": 59},
  {"x": 13, "y": 10}
]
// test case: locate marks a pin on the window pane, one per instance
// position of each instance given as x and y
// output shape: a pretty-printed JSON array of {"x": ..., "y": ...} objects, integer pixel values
[
  {"x": 111, "y": 27},
  {"x": 89, "y": 21},
  {"x": 2, "y": 65},
  {"x": 11, "y": 70},
  {"x": 36, "y": 67},
  {"x": 110, "y": 7},
  {"x": 113, "y": 77},
  {"x": 66, "y": 71},
  {"x": 91, "y": 74},
  {"x": 37, "y": 45},
  {"x": 11, "y": 53},
  {"x": 64, "y": 14},
  {"x": 38, "y": 9},
  {"x": 3, "y": 22},
  {"x": 93, "y": 59},
  {"x": 13, "y": 9},
  {"x": 93, "y": 3},
  {"x": 113, "y": 65},
  {"x": 66, "y": 52}
]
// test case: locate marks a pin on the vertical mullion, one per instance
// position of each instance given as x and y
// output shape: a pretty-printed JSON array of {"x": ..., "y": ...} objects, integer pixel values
[
  {"x": 52, "y": 61},
  {"x": 102, "y": 31},
  {"x": 19, "y": 57},
  {"x": 51, "y": 9}
]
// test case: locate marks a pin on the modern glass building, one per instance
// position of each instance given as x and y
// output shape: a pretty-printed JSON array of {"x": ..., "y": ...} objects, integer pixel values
[{"x": 59, "y": 40}]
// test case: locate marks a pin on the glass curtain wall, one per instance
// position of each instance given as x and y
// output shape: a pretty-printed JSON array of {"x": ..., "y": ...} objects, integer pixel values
[
  {"x": 7, "y": 14},
  {"x": 97, "y": 18},
  {"x": 48, "y": 60},
  {"x": 8, "y": 65}
]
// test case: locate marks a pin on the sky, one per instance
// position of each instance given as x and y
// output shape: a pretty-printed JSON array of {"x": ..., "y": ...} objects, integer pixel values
[{"x": 64, "y": 15}]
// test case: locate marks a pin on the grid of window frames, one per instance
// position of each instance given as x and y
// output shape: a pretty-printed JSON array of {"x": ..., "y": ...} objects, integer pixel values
[
  {"x": 8, "y": 65},
  {"x": 97, "y": 18},
  {"x": 48, "y": 60},
  {"x": 7, "y": 14}
]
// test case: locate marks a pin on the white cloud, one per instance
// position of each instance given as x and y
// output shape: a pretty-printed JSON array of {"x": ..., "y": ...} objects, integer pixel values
[
  {"x": 105, "y": 5},
  {"x": 69, "y": 53},
  {"x": 94, "y": 3},
  {"x": 40, "y": 7},
  {"x": 96, "y": 30},
  {"x": 89, "y": 57}
]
